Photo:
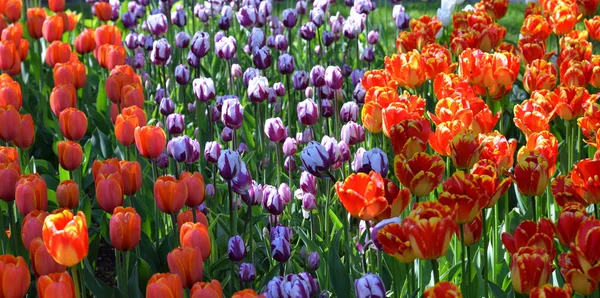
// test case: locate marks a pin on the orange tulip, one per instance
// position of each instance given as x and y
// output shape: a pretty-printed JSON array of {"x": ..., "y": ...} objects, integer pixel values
[
  {"x": 575, "y": 73},
  {"x": 410, "y": 137},
  {"x": 207, "y": 290},
  {"x": 437, "y": 59},
  {"x": 105, "y": 167},
  {"x": 195, "y": 235},
  {"x": 10, "y": 94},
  {"x": 67, "y": 194},
  {"x": 108, "y": 34},
  {"x": 53, "y": 28},
  {"x": 247, "y": 293},
  {"x": 85, "y": 42},
  {"x": 103, "y": 11},
  {"x": 594, "y": 71},
  {"x": 9, "y": 154},
  {"x": 70, "y": 155},
  {"x": 163, "y": 285},
  {"x": 24, "y": 138},
  {"x": 449, "y": 109},
  {"x": 126, "y": 122},
  {"x": 421, "y": 174},
  {"x": 56, "y": 285},
  {"x": 465, "y": 149},
  {"x": 195, "y": 186},
  {"x": 64, "y": 73},
  {"x": 73, "y": 123},
  {"x": 41, "y": 261},
  {"x": 371, "y": 117},
  {"x": 584, "y": 175},
  {"x": 31, "y": 193},
  {"x": 531, "y": 174},
  {"x": 13, "y": 32},
  {"x": 536, "y": 26},
  {"x": 486, "y": 174},
  {"x": 530, "y": 268},
  {"x": 12, "y": 10},
  {"x": 565, "y": 191},
  {"x": 62, "y": 97},
  {"x": 7, "y": 54},
  {"x": 119, "y": 77},
  {"x": 150, "y": 140},
  {"x": 548, "y": 290},
  {"x": 544, "y": 143},
  {"x": 15, "y": 276},
  {"x": 574, "y": 274},
  {"x": 539, "y": 75},
  {"x": 573, "y": 101},
  {"x": 395, "y": 241},
  {"x": 397, "y": 200},
  {"x": 491, "y": 37},
  {"x": 66, "y": 237},
  {"x": 430, "y": 228},
  {"x": 444, "y": 133},
  {"x": 132, "y": 95},
  {"x": 532, "y": 48},
  {"x": 58, "y": 52},
  {"x": 9, "y": 175},
  {"x": 11, "y": 117},
  {"x": 56, "y": 5},
  {"x": 377, "y": 78},
  {"x": 187, "y": 216},
  {"x": 125, "y": 228},
  {"x": 406, "y": 41},
  {"x": 32, "y": 226},
  {"x": 574, "y": 49},
  {"x": 530, "y": 234},
  {"x": 569, "y": 221},
  {"x": 407, "y": 69},
  {"x": 563, "y": 19},
  {"x": 110, "y": 56},
  {"x": 586, "y": 255},
  {"x": 531, "y": 117},
  {"x": 444, "y": 289},
  {"x": 109, "y": 191},
  {"x": 593, "y": 27},
  {"x": 170, "y": 194},
  {"x": 35, "y": 20},
  {"x": 462, "y": 193},
  {"x": 590, "y": 123},
  {"x": 72, "y": 19},
  {"x": 187, "y": 263},
  {"x": 132, "y": 176}
]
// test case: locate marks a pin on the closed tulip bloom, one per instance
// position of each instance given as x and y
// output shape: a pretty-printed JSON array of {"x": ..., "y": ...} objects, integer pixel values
[
  {"x": 103, "y": 11},
  {"x": 274, "y": 129},
  {"x": 229, "y": 164},
  {"x": 584, "y": 176},
  {"x": 105, "y": 167},
  {"x": 70, "y": 155},
  {"x": 35, "y": 20},
  {"x": 308, "y": 112},
  {"x": 85, "y": 41},
  {"x": 10, "y": 94},
  {"x": 73, "y": 123},
  {"x": 300, "y": 80},
  {"x": 175, "y": 124},
  {"x": 53, "y": 28},
  {"x": 531, "y": 174},
  {"x": 272, "y": 200},
  {"x": 32, "y": 226},
  {"x": 157, "y": 24},
  {"x": 9, "y": 115},
  {"x": 421, "y": 174},
  {"x": 150, "y": 140},
  {"x": 67, "y": 194},
  {"x": 31, "y": 193},
  {"x": 531, "y": 234},
  {"x": 41, "y": 260},
  {"x": 285, "y": 64},
  {"x": 258, "y": 89},
  {"x": 62, "y": 97},
  {"x": 226, "y": 47},
  {"x": 195, "y": 185},
  {"x": 232, "y": 113},
  {"x": 392, "y": 237},
  {"x": 24, "y": 138},
  {"x": 15, "y": 270},
  {"x": 370, "y": 285},
  {"x": 280, "y": 249},
  {"x": 430, "y": 228},
  {"x": 161, "y": 52},
  {"x": 242, "y": 181},
  {"x": 444, "y": 289},
  {"x": 570, "y": 219},
  {"x": 170, "y": 194},
  {"x": 187, "y": 216},
  {"x": 8, "y": 49},
  {"x": 352, "y": 133},
  {"x": 109, "y": 191},
  {"x": 211, "y": 289},
  {"x": 247, "y": 272},
  {"x": 315, "y": 158},
  {"x": 236, "y": 249},
  {"x": 59, "y": 284},
  {"x": 195, "y": 235},
  {"x": 212, "y": 151},
  {"x": 163, "y": 285},
  {"x": 56, "y": 5},
  {"x": 131, "y": 173},
  {"x": 66, "y": 237},
  {"x": 548, "y": 290},
  {"x": 530, "y": 268},
  {"x": 182, "y": 74},
  {"x": 125, "y": 228},
  {"x": 539, "y": 75},
  {"x": 204, "y": 89}
]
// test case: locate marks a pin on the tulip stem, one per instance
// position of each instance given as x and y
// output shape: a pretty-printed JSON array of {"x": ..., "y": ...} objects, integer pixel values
[
  {"x": 174, "y": 221},
  {"x": 126, "y": 272},
  {"x": 231, "y": 211},
  {"x": 2, "y": 226},
  {"x": 436, "y": 271},
  {"x": 119, "y": 269},
  {"x": 596, "y": 210},
  {"x": 534, "y": 208},
  {"x": 465, "y": 279},
  {"x": 278, "y": 165},
  {"x": 75, "y": 275},
  {"x": 13, "y": 227},
  {"x": 156, "y": 215}
]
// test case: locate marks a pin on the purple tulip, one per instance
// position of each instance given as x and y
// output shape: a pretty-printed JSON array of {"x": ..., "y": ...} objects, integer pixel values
[
  {"x": 300, "y": 80},
  {"x": 336, "y": 23},
  {"x": 349, "y": 112},
  {"x": 369, "y": 286},
  {"x": 401, "y": 18},
  {"x": 308, "y": 31},
  {"x": 218, "y": 36},
  {"x": 226, "y": 47},
  {"x": 200, "y": 44},
  {"x": 289, "y": 146},
  {"x": 226, "y": 134},
  {"x": 162, "y": 161},
  {"x": 315, "y": 158},
  {"x": 175, "y": 124},
  {"x": 317, "y": 16},
  {"x": 159, "y": 95},
  {"x": 232, "y": 113},
  {"x": 157, "y": 24},
  {"x": 356, "y": 76},
  {"x": 242, "y": 148},
  {"x": 274, "y": 129},
  {"x": 192, "y": 60},
  {"x": 313, "y": 262},
  {"x": 308, "y": 182},
  {"x": 195, "y": 155},
  {"x": 256, "y": 39},
  {"x": 352, "y": 133},
  {"x": 254, "y": 194},
  {"x": 242, "y": 181},
  {"x": 179, "y": 18},
  {"x": 333, "y": 150},
  {"x": 236, "y": 249},
  {"x": 334, "y": 78},
  {"x": 224, "y": 23},
  {"x": 353, "y": 26},
  {"x": 161, "y": 52},
  {"x": 129, "y": 20},
  {"x": 247, "y": 16},
  {"x": 229, "y": 164},
  {"x": 258, "y": 89},
  {"x": 309, "y": 202},
  {"x": 182, "y": 74},
  {"x": 236, "y": 71},
  {"x": 180, "y": 148},
  {"x": 212, "y": 151},
  {"x": 131, "y": 41},
  {"x": 308, "y": 112},
  {"x": 273, "y": 288},
  {"x": 182, "y": 40},
  {"x": 317, "y": 76},
  {"x": 375, "y": 160},
  {"x": 272, "y": 201},
  {"x": 247, "y": 272},
  {"x": 305, "y": 137},
  {"x": 279, "y": 89},
  {"x": 289, "y": 164},
  {"x": 357, "y": 162},
  {"x": 139, "y": 60},
  {"x": 289, "y": 18},
  {"x": 167, "y": 106},
  {"x": 281, "y": 251},
  {"x": 285, "y": 64},
  {"x": 344, "y": 151},
  {"x": 285, "y": 193},
  {"x": 368, "y": 55},
  {"x": 326, "y": 108},
  {"x": 327, "y": 38},
  {"x": 204, "y": 89},
  {"x": 209, "y": 190},
  {"x": 249, "y": 74},
  {"x": 359, "y": 94},
  {"x": 262, "y": 58},
  {"x": 373, "y": 37},
  {"x": 281, "y": 42}
]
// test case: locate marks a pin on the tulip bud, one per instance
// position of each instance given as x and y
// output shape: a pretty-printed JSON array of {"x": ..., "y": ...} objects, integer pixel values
[
  {"x": 334, "y": 78},
  {"x": 157, "y": 24},
  {"x": 204, "y": 89},
  {"x": 31, "y": 193},
  {"x": 180, "y": 148},
  {"x": 179, "y": 18},
  {"x": 226, "y": 47},
  {"x": 247, "y": 272},
  {"x": 200, "y": 44},
  {"x": 161, "y": 52},
  {"x": 258, "y": 89},
  {"x": 331, "y": 145},
  {"x": 352, "y": 133},
  {"x": 242, "y": 148},
  {"x": 229, "y": 164},
  {"x": 368, "y": 55},
  {"x": 41, "y": 260},
  {"x": 232, "y": 113},
  {"x": 300, "y": 80},
  {"x": 247, "y": 16},
  {"x": 236, "y": 71},
  {"x": 289, "y": 146},
  {"x": 125, "y": 228},
  {"x": 356, "y": 76},
  {"x": 349, "y": 112},
  {"x": 375, "y": 160},
  {"x": 165, "y": 284},
  {"x": 262, "y": 58},
  {"x": 357, "y": 163},
  {"x": 254, "y": 195},
  {"x": 308, "y": 31},
  {"x": 281, "y": 249},
  {"x": 212, "y": 151},
  {"x": 308, "y": 183},
  {"x": 281, "y": 42},
  {"x": 290, "y": 18},
  {"x": 308, "y": 112},
  {"x": 236, "y": 249},
  {"x": 315, "y": 158},
  {"x": 285, "y": 193},
  {"x": 67, "y": 194},
  {"x": 242, "y": 181},
  {"x": 359, "y": 94},
  {"x": 32, "y": 226},
  {"x": 285, "y": 64},
  {"x": 309, "y": 202},
  {"x": 167, "y": 106},
  {"x": 182, "y": 74},
  {"x": 373, "y": 37},
  {"x": 192, "y": 60},
  {"x": 175, "y": 124},
  {"x": 272, "y": 201},
  {"x": 317, "y": 16},
  {"x": 182, "y": 40},
  {"x": 131, "y": 41},
  {"x": 289, "y": 164},
  {"x": 370, "y": 285},
  {"x": 226, "y": 134},
  {"x": 313, "y": 261},
  {"x": 274, "y": 129}
]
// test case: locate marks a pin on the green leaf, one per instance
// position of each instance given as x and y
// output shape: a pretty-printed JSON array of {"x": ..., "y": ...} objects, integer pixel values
[
  {"x": 87, "y": 149},
  {"x": 337, "y": 271},
  {"x": 334, "y": 219},
  {"x": 63, "y": 174},
  {"x": 96, "y": 286},
  {"x": 144, "y": 274},
  {"x": 496, "y": 290},
  {"x": 102, "y": 99},
  {"x": 133, "y": 289}
]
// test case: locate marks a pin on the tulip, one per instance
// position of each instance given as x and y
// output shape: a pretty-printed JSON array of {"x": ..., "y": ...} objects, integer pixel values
[
  {"x": 548, "y": 290},
  {"x": 393, "y": 238},
  {"x": 530, "y": 268},
  {"x": 9, "y": 133},
  {"x": 530, "y": 234},
  {"x": 41, "y": 261},
  {"x": 315, "y": 158},
  {"x": 85, "y": 42},
  {"x": 150, "y": 140},
  {"x": 32, "y": 226},
  {"x": 444, "y": 289},
  {"x": 187, "y": 216},
  {"x": 169, "y": 194},
  {"x": 195, "y": 186},
  {"x": 412, "y": 172},
  {"x": 242, "y": 181},
  {"x": 285, "y": 64},
  {"x": 24, "y": 138},
  {"x": 164, "y": 285},
  {"x": 125, "y": 228},
  {"x": 195, "y": 235},
  {"x": 161, "y": 52},
  {"x": 226, "y": 47},
  {"x": 247, "y": 272},
  {"x": 131, "y": 173},
  {"x": 31, "y": 194},
  {"x": 261, "y": 58},
  {"x": 280, "y": 249},
  {"x": 66, "y": 237},
  {"x": 16, "y": 270},
  {"x": 182, "y": 40},
  {"x": 308, "y": 112},
  {"x": 258, "y": 88},
  {"x": 212, "y": 151},
  {"x": 583, "y": 175},
  {"x": 62, "y": 97},
  {"x": 157, "y": 24},
  {"x": 236, "y": 250},
  {"x": 370, "y": 285},
  {"x": 35, "y": 20},
  {"x": 254, "y": 194},
  {"x": 207, "y": 289},
  {"x": 531, "y": 174},
  {"x": 109, "y": 191},
  {"x": 272, "y": 200},
  {"x": 57, "y": 284},
  {"x": 53, "y": 28},
  {"x": 232, "y": 113},
  {"x": 70, "y": 155},
  {"x": 67, "y": 194},
  {"x": 200, "y": 44},
  {"x": 73, "y": 123},
  {"x": 229, "y": 164},
  {"x": 430, "y": 227},
  {"x": 274, "y": 129}
]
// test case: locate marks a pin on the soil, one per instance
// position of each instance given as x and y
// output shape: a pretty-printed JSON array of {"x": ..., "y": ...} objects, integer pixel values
[{"x": 105, "y": 265}]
